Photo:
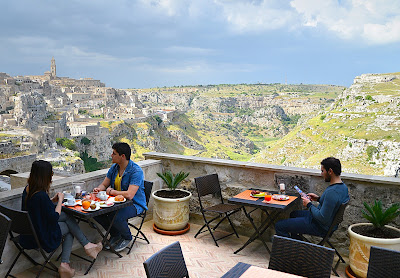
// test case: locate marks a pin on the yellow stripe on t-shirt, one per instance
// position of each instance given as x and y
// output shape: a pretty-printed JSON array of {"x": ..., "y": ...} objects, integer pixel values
[{"x": 117, "y": 183}]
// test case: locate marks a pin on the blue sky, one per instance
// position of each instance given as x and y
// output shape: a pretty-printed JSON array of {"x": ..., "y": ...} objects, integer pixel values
[{"x": 149, "y": 43}]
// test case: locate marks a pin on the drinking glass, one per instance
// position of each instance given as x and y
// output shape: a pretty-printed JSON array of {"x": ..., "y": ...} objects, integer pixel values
[
  {"x": 78, "y": 187},
  {"x": 282, "y": 188},
  {"x": 268, "y": 197},
  {"x": 93, "y": 196}
]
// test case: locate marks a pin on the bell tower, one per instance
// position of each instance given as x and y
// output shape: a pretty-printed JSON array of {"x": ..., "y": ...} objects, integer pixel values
[{"x": 53, "y": 68}]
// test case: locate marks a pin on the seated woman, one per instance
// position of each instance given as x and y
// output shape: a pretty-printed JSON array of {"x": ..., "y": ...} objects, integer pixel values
[{"x": 49, "y": 222}]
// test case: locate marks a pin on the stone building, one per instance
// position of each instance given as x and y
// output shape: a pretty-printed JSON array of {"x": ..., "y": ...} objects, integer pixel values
[{"x": 86, "y": 129}]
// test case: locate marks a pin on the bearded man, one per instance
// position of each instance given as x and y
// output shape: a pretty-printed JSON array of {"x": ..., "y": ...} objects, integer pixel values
[{"x": 317, "y": 220}]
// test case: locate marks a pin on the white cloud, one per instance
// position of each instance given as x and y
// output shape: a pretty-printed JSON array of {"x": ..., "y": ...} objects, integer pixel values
[
  {"x": 382, "y": 34},
  {"x": 42, "y": 46},
  {"x": 169, "y": 7},
  {"x": 256, "y": 16},
  {"x": 375, "y": 21}
]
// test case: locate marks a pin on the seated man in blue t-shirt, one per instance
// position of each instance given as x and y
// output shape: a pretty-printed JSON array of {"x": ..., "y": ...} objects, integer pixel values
[
  {"x": 123, "y": 178},
  {"x": 317, "y": 220}
]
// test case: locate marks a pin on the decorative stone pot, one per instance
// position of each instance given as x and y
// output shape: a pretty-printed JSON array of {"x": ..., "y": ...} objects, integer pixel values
[
  {"x": 171, "y": 214},
  {"x": 360, "y": 246}
]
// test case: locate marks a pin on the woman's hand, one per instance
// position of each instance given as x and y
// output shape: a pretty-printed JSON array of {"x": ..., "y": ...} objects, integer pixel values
[
  {"x": 96, "y": 190},
  {"x": 55, "y": 198},
  {"x": 60, "y": 196}
]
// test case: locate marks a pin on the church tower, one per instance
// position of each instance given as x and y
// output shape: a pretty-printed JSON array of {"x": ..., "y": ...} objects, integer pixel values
[{"x": 53, "y": 68}]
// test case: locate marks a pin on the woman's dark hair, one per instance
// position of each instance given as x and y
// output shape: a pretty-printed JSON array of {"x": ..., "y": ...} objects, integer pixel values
[
  {"x": 40, "y": 177},
  {"x": 332, "y": 163},
  {"x": 122, "y": 148}
]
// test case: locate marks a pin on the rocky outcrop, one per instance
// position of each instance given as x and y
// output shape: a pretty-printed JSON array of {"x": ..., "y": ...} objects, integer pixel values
[
  {"x": 64, "y": 161},
  {"x": 30, "y": 110},
  {"x": 185, "y": 140}
]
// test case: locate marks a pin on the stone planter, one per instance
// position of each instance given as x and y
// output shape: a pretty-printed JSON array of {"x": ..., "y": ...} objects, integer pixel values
[
  {"x": 361, "y": 245},
  {"x": 171, "y": 214}
]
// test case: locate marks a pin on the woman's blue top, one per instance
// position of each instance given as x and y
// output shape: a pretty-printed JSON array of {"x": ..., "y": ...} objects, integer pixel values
[{"x": 45, "y": 222}]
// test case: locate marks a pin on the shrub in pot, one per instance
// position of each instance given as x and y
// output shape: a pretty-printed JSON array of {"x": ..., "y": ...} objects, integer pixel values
[
  {"x": 374, "y": 233},
  {"x": 171, "y": 206}
]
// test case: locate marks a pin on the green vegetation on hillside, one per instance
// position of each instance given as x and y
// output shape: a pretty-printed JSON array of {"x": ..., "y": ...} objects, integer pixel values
[
  {"x": 91, "y": 164},
  {"x": 66, "y": 143}
]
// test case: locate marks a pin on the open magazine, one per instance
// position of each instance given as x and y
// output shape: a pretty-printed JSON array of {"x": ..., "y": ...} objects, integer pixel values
[{"x": 302, "y": 194}]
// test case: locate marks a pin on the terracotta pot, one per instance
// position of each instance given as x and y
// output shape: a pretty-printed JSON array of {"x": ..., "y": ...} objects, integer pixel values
[
  {"x": 360, "y": 246},
  {"x": 171, "y": 214}
]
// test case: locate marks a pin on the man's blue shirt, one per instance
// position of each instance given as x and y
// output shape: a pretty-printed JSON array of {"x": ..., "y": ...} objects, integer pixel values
[
  {"x": 133, "y": 174},
  {"x": 329, "y": 203}
]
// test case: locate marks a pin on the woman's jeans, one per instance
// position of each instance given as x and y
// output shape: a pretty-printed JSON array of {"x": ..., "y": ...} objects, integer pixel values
[
  {"x": 120, "y": 226},
  {"x": 70, "y": 229},
  {"x": 300, "y": 222}
]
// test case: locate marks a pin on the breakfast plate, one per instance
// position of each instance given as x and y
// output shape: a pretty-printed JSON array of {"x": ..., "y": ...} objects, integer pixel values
[
  {"x": 112, "y": 199},
  {"x": 258, "y": 195},
  {"x": 77, "y": 202},
  {"x": 280, "y": 197},
  {"x": 90, "y": 209},
  {"x": 105, "y": 204}
]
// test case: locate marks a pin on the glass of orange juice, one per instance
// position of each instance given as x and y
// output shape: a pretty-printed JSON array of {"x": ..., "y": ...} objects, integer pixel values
[{"x": 268, "y": 197}]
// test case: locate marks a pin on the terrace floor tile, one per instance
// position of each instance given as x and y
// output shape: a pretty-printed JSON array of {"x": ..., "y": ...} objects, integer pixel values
[{"x": 203, "y": 258}]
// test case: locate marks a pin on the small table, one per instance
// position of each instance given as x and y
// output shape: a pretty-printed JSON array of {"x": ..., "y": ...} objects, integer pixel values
[
  {"x": 244, "y": 270},
  {"x": 272, "y": 210},
  {"x": 79, "y": 214}
]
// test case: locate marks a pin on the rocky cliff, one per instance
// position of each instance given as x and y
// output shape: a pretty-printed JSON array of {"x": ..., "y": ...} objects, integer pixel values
[{"x": 361, "y": 127}]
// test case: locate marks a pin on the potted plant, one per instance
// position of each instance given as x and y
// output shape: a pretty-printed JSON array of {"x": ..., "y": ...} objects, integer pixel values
[
  {"x": 375, "y": 233},
  {"x": 171, "y": 206}
]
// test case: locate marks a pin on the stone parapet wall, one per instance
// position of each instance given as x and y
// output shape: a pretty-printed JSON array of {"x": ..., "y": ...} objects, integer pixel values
[
  {"x": 12, "y": 199},
  {"x": 18, "y": 164},
  {"x": 236, "y": 176}
]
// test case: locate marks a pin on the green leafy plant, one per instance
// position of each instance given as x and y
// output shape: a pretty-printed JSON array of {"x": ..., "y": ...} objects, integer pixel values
[
  {"x": 378, "y": 216},
  {"x": 172, "y": 180}
]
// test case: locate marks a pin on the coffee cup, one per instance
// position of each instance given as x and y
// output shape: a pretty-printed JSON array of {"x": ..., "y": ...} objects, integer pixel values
[
  {"x": 67, "y": 194},
  {"x": 70, "y": 201}
]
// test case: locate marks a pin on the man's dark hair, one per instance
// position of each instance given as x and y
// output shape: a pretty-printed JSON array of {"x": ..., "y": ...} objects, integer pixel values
[
  {"x": 332, "y": 163},
  {"x": 122, "y": 148}
]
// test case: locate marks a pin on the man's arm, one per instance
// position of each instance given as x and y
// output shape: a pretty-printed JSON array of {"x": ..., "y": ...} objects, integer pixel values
[
  {"x": 324, "y": 214},
  {"x": 129, "y": 194},
  {"x": 103, "y": 186}
]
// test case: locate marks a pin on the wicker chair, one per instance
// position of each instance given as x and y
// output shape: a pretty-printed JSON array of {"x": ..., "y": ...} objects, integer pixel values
[
  {"x": 22, "y": 225},
  {"x": 148, "y": 186},
  {"x": 301, "y": 258},
  {"x": 336, "y": 221},
  {"x": 167, "y": 263},
  {"x": 383, "y": 263},
  {"x": 207, "y": 185},
  {"x": 5, "y": 222}
]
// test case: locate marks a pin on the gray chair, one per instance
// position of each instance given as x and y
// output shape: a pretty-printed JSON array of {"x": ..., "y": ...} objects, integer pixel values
[
  {"x": 301, "y": 258},
  {"x": 167, "y": 263},
  {"x": 383, "y": 263},
  {"x": 21, "y": 224},
  {"x": 335, "y": 223},
  {"x": 5, "y": 223},
  {"x": 209, "y": 185},
  {"x": 148, "y": 186}
]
